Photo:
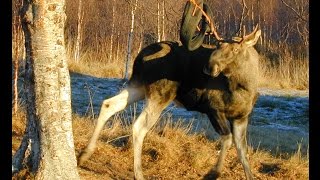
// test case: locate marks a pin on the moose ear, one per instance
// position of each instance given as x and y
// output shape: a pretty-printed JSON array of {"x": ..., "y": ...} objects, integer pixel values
[{"x": 251, "y": 39}]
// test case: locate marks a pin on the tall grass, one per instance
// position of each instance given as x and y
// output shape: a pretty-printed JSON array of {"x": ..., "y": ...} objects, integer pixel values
[
  {"x": 288, "y": 73},
  {"x": 170, "y": 151},
  {"x": 94, "y": 63}
]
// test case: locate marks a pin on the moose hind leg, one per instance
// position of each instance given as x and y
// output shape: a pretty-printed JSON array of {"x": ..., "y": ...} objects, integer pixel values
[
  {"x": 157, "y": 100},
  {"x": 239, "y": 137},
  {"x": 143, "y": 124},
  {"x": 108, "y": 108}
]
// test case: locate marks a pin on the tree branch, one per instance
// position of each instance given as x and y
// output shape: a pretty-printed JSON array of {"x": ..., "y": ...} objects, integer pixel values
[
  {"x": 295, "y": 11},
  {"x": 243, "y": 16}
]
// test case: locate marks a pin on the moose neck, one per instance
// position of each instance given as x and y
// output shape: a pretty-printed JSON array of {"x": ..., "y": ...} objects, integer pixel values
[{"x": 243, "y": 72}]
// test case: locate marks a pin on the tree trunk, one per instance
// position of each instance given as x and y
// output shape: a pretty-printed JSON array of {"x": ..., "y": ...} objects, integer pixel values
[
  {"x": 47, "y": 147},
  {"x": 163, "y": 38},
  {"x": 17, "y": 49},
  {"x": 16, "y": 29},
  {"x": 130, "y": 36},
  {"x": 158, "y": 22},
  {"x": 118, "y": 45},
  {"x": 79, "y": 33},
  {"x": 112, "y": 31}
]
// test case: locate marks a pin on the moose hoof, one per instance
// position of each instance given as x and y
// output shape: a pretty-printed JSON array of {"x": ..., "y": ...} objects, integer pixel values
[
  {"x": 83, "y": 157},
  {"x": 212, "y": 174}
]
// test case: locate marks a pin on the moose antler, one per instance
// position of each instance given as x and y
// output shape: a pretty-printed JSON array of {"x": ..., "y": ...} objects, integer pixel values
[
  {"x": 189, "y": 23},
  {"x": 194, "y": 13},
  {"x": 191, "y": 35},
  {"x": 204, "y": 11}
]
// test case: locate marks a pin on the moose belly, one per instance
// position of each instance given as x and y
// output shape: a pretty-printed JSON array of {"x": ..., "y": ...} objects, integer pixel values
[{"x": 200, "y": 100}]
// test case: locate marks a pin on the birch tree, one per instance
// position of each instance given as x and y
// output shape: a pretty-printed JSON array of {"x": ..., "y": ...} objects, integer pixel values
[
  {"x": 79, "y": 32},
  {"x": 163, "y": 38},
  {"x": 16, "y": 44},
  {"x": 112, "y": 31},
  {"x": 47, "y": 148},
  {"x": 130, "y": 37},
  {"x": 158, "y": 22}
]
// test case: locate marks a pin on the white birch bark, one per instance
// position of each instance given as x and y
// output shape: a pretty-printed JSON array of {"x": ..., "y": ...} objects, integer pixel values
[
  {"x": 16, "y": 39},
  {"x": 133, "y": 9},
  {"x": 163, "y": 37},
  {"x": 79, "y": 32},
  {"x": 48, "y": 143},
  {"x": 112, "y": 31},
  {"x": 158, "y": 22},
  {"x": 118, "y": 46}
]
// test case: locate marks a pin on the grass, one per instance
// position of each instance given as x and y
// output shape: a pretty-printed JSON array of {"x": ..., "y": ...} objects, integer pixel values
[
  {"x": 170, "y": 151},
  {"x": 290, "y": 73},
  {"x": 96, "y": 69},
  {"x": 95, "y": 63}
]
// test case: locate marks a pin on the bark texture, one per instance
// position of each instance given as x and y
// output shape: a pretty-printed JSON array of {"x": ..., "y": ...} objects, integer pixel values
[{"x": 48, "y": 145}]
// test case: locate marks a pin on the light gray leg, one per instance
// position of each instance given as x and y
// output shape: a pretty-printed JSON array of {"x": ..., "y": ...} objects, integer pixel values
[
  {"x": 142, "y": 125},
  {"x": 226, "y": 142},
  {"x": 239, "y": 137},
  {"x": 108, "y": 108}
]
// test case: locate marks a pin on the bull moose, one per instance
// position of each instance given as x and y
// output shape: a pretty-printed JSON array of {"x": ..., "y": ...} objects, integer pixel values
[{"x": 219, "y": 81}]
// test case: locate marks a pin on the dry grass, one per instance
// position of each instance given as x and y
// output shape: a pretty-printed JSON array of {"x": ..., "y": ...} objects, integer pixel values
[
  {"x": 18, "y": 127},
  {"x": 169, "y": 152},
  {"x": 290, "y": 73},
  {"x": 96, "y": 69},
  {"x": 95, "y": 63}
]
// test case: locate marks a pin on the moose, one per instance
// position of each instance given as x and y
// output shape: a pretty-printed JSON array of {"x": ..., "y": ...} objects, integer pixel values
[{"x": 218, "y": 80}]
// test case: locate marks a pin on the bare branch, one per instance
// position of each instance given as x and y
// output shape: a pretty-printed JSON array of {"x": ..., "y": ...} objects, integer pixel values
[
  {"x": 244, "y": 14},
  {"x": 210, "y": 21},
  {"x": 141, "y": 7},
  {"x": 303, "y": 34},
  {"x": 295, "y": 11}
]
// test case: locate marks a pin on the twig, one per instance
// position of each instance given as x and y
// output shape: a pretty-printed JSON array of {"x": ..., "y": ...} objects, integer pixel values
[
  {"x": 118, "y": 138},
  {"x": 90, "y": 100},
  {"x": 210, "y": 21},
  {"x": 295, "y": 11},
  {"x": 243, "y": 16}
]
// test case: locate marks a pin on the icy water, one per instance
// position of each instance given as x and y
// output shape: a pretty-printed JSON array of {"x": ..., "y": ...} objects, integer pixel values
[{"x": 281, "y": 116}]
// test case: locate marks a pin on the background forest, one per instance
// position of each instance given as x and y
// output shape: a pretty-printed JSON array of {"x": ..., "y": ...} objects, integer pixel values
[{"x": 97, "y": 34}]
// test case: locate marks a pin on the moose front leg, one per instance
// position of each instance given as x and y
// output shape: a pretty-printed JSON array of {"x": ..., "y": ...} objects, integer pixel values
[
  {"x": 239, "y": 136},
  {"x": 226, "y": 142},
  {"x": 221, "y": 125}
]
